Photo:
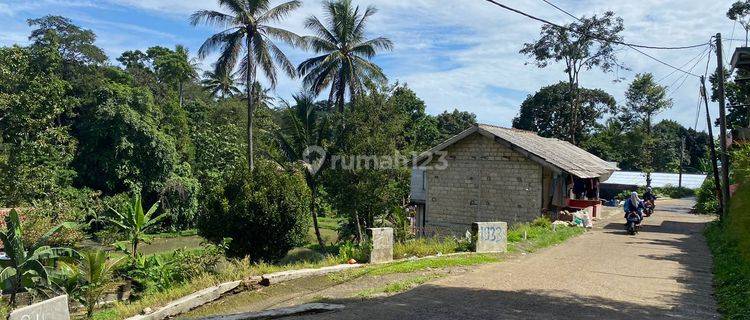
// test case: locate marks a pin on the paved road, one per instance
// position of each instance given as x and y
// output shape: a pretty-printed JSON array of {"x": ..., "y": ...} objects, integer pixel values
[{"x": 664, "y": 272}]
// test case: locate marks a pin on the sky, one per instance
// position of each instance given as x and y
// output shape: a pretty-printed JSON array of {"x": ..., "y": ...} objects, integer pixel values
[{"x": 453, "y": 53}]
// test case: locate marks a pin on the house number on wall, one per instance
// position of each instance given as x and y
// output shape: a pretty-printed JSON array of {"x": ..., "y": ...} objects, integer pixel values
[{"x": 494, "y": 234}]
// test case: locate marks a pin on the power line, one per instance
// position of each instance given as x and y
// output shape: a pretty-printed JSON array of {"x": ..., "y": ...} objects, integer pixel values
[
  {"x": 590, "y": 35},
  {"x": 629, "y": 45},
  {"x": 699, "y": 57}
]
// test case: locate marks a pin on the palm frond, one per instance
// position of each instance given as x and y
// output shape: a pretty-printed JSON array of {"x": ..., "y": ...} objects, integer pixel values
[
  {"x": 318, "y": 28},
  {"x": 279, "y": 12},
  {"x": 287, "y": 36},
  {"x": 282, "y": 60},
  {"x": 369, "y": 48},
  {"x": 212, "y": 18}
]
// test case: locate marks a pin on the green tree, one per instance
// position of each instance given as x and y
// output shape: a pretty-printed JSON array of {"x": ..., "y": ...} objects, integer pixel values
[
  {"x": 34, "y": 103},
  {"x": 247, "y": 26},
  {"x": 372, "y": 190},
  {"x": 644, "y": 99},
  {"x": 27, "y": 269},
  {"x": 221, "y": 84},
  {"x": 740, "y": 12},
  {"x": 345, "y": 59},
  {"x": 548, "y": 112},
  {"x": 135, "y": 222},
  {"x": 121, "y": 147},
  {"x": 176, "y": 67},
  {"x": 304, "y": 128},
  {"x": 421, "y": 131},
  {"x": 589, "y": 45},
  {"x": 76, "y": 45},
  {"x": 452, "y": 123}
]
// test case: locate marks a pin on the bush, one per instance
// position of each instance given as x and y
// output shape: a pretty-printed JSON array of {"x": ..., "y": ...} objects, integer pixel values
[
  {"x": 264, "y": 212},
  {"x": 350, "y": 250},
  {"x": 675, "y": 192},
  {"x": 706, "y": 201},
  {"x": 302, "y": 255}
]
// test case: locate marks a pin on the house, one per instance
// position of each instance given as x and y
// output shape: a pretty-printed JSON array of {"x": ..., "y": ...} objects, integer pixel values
[
  {"x": 490, "y": 173},
  {"x": 631, "y": 180}
]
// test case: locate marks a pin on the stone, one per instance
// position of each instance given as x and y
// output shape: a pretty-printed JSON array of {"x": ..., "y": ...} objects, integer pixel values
[
  {"x": 490, "y": 236},
  {"x": 52, "y": 309},
  {"x": 381, "y": 244}
]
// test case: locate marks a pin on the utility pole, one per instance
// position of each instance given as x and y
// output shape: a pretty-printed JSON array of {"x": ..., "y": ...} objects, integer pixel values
[
  {"x": 723, "y": 128},
  {"x": 682, "y": 155},
  {"x": 712, "y": 148}
]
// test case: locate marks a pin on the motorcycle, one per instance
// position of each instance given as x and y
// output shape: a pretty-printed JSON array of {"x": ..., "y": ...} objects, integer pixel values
[
  {"x": 648, "y": 208},
  {"x": 633, "y": 224}
]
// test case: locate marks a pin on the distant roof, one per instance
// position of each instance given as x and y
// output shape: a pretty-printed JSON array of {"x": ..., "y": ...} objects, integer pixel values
[
  {"x": 556, "y": 154},
  {"x": 658, "y": 179}
]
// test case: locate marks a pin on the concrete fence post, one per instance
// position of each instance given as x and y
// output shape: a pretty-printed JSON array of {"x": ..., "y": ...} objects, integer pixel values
[
  {"x": 490, "y": 236},
  {"x": 381, "y": 244}
]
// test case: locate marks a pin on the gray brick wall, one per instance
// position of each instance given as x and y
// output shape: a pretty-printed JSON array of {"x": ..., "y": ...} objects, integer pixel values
[{"x": 484, "y": 181}]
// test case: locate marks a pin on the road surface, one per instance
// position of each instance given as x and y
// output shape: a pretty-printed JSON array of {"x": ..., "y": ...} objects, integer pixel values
[{"x": 664, "y": 272}]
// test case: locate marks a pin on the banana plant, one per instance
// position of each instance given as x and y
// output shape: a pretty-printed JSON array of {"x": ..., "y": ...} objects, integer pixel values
[
  {"x": 134, "y": 221},
  {"x": 26, "y": 269}
]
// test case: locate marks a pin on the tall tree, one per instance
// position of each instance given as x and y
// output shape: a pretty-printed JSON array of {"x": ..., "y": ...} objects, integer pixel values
[
  {"x": 587, "y": 46},
  {"x": 176, "y": 67},
  {"x": 645, "y": 98},
  {"x": 246, "y": 27},
  {"x": 548, "y": 112},
  {"x": 345, "y": 59},
  {"x": 75, "y": 44},
  {"x": 220, "y": 84},
  {"x": 304, "y": 128},
  {"x": 740, "y": 12}
]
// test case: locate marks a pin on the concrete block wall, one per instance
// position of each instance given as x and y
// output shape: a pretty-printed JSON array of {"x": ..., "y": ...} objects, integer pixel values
[{"x": 484, "y": 181}]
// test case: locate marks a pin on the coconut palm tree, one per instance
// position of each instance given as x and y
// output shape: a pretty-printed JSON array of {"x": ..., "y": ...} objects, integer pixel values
[
  {"x": 220, "y": 84},
  {"x": 345, "y": 59},
  {"x": 304, "y": 127},
  {"x": 246, "y": 29}
]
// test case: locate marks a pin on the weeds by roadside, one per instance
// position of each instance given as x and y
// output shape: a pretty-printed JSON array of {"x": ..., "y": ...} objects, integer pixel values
[{"x": 399, "y": 286}]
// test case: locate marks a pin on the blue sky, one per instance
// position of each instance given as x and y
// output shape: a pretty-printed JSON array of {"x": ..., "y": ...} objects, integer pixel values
[{"x": 454, "y": 54}]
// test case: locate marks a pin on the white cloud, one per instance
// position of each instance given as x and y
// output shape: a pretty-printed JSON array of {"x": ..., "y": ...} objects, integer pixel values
[{"x": 458, "y": 53}]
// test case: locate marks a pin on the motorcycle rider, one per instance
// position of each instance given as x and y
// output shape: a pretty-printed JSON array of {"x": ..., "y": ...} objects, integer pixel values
[
  {"x": 649, "y": 198},
  {"x": 634, "y": 204}
]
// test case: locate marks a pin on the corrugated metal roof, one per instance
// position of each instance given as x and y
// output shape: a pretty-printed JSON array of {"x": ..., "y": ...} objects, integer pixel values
[
  {"x": 658, "y": 179},
  {"x": 561, "y": 154}
]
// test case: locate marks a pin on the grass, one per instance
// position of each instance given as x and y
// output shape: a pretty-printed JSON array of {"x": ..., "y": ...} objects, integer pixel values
[
  {"x": 730, "y": 245},
  {"x": 235, "y": 271},
  {"x": 421, "y": 247},
  {"x": 408, "y": 266},
  {"x": 330, "y": 223},
  {"x": 539, "y": 235},
  {"x": 396, "y": 287}
]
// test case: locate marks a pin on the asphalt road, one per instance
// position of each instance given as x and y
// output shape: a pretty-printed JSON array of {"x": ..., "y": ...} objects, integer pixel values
[{"x": 664, "y": 272}]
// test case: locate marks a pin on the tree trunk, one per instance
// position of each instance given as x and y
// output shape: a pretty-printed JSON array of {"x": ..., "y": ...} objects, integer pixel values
[
  {"x": 340, "y": 93},
  {"x": 359, "y": 227},
  {"x": 649, "y": 150},
  {"x": 250, "y": 103},
  {"x": 135, "y": 248},
  {"x": 573, "y": 109},
  {"x": 314, "y": 212},
  {"x": 181, "y": 94}
]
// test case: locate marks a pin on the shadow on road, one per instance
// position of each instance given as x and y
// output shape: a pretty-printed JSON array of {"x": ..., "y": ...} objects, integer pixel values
[{"x": 437, "y": 302}]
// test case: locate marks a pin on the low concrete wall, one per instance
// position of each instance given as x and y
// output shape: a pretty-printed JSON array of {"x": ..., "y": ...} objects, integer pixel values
[
  {"x": 51, "y": 309},
  {"x": 276, "y": 277},
  {"x": 189, "y": 302}
]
